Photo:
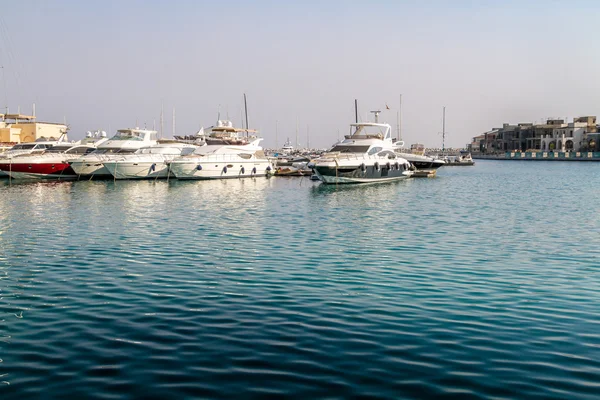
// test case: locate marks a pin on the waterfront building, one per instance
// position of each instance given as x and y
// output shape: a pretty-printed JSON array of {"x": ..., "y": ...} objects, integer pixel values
[{"x": 19, "y": 128}]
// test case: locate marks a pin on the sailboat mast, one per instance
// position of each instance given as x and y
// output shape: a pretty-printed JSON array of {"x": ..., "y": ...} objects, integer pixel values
[
  {"x": 444, "y": 128},
  {"x": 276, "y": 141},
  {"x": 399, "y": 120},
  {"x": 246, "y": 110},
  {"x": 162, "y": 119},
  {"x": 356, "y": 110},
  {"x": 296, "y": 132},
  {"x": 173, "y": 121}
]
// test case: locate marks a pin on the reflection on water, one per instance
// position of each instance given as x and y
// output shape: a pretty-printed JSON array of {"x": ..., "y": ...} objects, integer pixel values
[{"x": 482, "y": 282}]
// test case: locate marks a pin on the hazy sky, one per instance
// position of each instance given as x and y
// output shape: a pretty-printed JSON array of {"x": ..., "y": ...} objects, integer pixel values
[{"x": 107, "y": 64}]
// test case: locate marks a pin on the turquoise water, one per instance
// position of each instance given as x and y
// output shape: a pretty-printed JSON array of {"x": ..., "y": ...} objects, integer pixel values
[{"x": 481, "y": 283}]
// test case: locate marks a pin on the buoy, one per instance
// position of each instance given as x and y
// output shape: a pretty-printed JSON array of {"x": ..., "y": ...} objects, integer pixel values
[
  {"x": 253, "y": 171},
  {"x": 199, "y": 167},
  {"x": 242, "y": 171},
  {"x": 225, "y": 169},
  {"x": 376, "y": 165},
  {"x": 363, "y": 167}
]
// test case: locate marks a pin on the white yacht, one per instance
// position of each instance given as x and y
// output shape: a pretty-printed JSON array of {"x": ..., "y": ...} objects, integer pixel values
[
  {"x": 416, "y": 156},
  {"x": 126, "y": 141},
  {"x": 287, "y": 147},
  {"x": 148, "y": 162},
  {"x": 366, "y": 155},
  {"x": 223, "y": 161}
]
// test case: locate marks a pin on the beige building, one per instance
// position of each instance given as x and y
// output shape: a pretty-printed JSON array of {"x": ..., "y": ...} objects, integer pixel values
[{"x": 18, "y": 128}]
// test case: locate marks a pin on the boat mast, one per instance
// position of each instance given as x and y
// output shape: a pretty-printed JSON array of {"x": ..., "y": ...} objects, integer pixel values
[
  {"x": 296, "y": 145},
  {"x": 356, "y": 110},
  {"x": 162, "y": 119},
  {"x": 173, "y": 121},
  {"x": 307, "y": 137},
  {"x": 246, "y": 110},
  {"x": 276, "y": 141},
  {"x": 399, "y": 120},
  {"x": 443, "y": 128}
]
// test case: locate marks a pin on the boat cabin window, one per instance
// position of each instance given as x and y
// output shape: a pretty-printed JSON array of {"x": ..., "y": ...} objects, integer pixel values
[
  {"x": 187, "y": 151},
  {"x": 350, "y": 149},
  {"x": 59, "y": 149},
  {"x": 23, "y": 146},
  {"x": 80, "y": 150},
  {"x": 132, "y": 135},
  {"x": 375, "y": 150}
]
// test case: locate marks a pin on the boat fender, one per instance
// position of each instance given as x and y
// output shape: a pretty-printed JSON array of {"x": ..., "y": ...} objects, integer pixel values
[
  {"x": 268, "y": 168},
  {"x": 310, "y": 165},
  {"x": 376, "y": 165},
  {"x": 225, "y": 169},
  {"x": 242, "y": 171},
  {"x": 388, "y": 165},
  {"x": 396, "y": 165},
  {"x": 253, "y": 171},
  {"x": 363, "y": 167},
  {"x": 199, "y": 167},
  {"x": 153, "y": 167}
]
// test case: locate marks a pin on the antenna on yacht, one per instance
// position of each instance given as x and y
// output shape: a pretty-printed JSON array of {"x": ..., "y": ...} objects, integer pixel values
[
  {"x": 307, "y": 137},
  {"x": 296, "y": 144},
  {"x": 246, "y": 110},
  {"x": 173, "y": 121},
  {"x": 356, "y": 110},
  {"x": 376, "y": 115}
]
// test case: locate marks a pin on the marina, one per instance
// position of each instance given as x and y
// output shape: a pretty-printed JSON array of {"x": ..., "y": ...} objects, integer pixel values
[
  {"x": 356, "y": 200},
  {"x": 210, "y": 288}
]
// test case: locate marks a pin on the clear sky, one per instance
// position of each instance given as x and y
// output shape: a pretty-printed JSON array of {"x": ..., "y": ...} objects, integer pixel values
[{"x": 106, "y": 64}]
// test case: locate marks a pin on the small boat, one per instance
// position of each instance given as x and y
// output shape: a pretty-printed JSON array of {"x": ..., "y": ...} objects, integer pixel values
[
  {"x": 126, "y": 141},
  {"x": 148, "y": 162},
  {"x": 365, "y": 156}
]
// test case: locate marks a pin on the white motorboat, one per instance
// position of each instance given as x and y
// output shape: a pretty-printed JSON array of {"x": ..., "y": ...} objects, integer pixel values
[
  {"x": 416, "y": 156},
  {"x": 52, "y": 163},
  {"x": 366, "y": 155},
  {"x": 223, "y": 161},
  {"x": 37, "y": 147},
  {"x": 126, "y": 141},
  {"x": 149, "y": 162}
]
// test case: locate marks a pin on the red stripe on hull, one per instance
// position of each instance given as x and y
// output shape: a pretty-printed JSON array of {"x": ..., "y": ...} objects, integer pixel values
[{"x": 58, "y": 169}]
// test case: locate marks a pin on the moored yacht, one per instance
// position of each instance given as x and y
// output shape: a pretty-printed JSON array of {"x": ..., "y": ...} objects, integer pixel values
[
  {"x": 126, "y": 141},
  {"x": 52, "y": 163},
  {"x": 223, "y": 161},
  {"x": 149, "y": 162},
  {"x": 416, "y": 156},
  {"x": 366, "y": 155}
]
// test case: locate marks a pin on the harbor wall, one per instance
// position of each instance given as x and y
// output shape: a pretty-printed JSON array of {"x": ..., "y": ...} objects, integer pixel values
[{"x": 541, "y": 156}]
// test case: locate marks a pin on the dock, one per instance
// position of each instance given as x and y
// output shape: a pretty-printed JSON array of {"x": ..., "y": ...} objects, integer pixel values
[{"x": 424, "y": 173}]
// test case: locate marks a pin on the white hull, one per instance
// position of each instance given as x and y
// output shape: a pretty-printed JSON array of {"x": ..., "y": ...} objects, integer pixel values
[
  {"x": 339, "y": 179},
  {"x": 137, "y": 170},
  {"x": 29, "y": 175},
  {"x": 89, "y": 168},
  {"x": 220, "y": 170}
]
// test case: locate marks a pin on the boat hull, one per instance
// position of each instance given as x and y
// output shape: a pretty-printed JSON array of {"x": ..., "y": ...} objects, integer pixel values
[
  {"x": 137, "y": 170},
  {"x": 435, "y": 164},
  {"x": 368, "y": 174},
  {"x": 48, "y": 170},
  {"x": 220, "y": 170},
  {"x": 90, "y": 168}
]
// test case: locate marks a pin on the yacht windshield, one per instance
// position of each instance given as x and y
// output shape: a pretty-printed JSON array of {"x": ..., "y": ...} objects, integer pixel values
[
  {"x": 58, "y": 149},
  {"x": 23, "y": 146},
  {"x": 350, "y": 149},
  {"x": 370, "y": 131},
  {"x": 128, "y": 136}
]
